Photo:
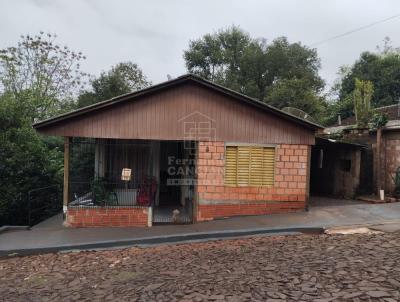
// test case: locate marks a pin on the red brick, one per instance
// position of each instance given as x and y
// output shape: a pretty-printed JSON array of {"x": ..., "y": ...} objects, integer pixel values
[
  {"x": 94, "y": 217},
  {"x": 217, "y": 156},
  {"x": 301, "y": 185},
  {"x": 210, "y": 189},
  {"x": 285, "y": 158},
  {"x": 280, "y": 151},
  {"x": 289, "y": 165},
  {"x": 219, "y": 189},
  {"x": 298, "y": 152},
  {"x": 303, "y": 159},
  {"x": 205, "y": 155},
  {"x": 289, "y": 151}
]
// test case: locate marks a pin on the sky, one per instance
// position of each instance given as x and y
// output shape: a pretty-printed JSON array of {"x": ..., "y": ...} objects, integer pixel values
[{"x": 154, "y": 33}]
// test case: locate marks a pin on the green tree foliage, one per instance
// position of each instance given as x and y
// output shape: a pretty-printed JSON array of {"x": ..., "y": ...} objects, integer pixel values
[
  {"x": 39, "y": 78},
  {"x": 50, "y": 72},
  {"x": 217, "y": 56},
  {"x": 382, "y": 68},
  {"x": 266, "y": 71},
  {"x": 362, "y": 96},
  {"x": 26, "y": 161},
  {"x": 123, "y": 78},
  {"x": 298, "y": 94},
  {"x": 379, "y": 120}
]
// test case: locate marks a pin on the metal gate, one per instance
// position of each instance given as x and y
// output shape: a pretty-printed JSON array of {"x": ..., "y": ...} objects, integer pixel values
[{"x": 173, "y": 214}]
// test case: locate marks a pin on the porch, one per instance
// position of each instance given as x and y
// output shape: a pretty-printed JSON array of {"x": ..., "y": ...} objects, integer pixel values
[{"x": 127, "y": 182}]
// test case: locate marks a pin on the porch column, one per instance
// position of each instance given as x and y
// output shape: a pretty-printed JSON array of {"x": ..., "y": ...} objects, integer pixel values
[
  {"x": 67, "y": 141},
  {"x": 99, "y": 158}
]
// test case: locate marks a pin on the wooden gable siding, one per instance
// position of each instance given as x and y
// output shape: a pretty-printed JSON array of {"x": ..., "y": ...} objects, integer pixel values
[{"x": 161, "y": 116}]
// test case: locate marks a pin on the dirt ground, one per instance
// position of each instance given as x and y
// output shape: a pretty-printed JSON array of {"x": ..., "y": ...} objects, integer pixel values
[{"x": 286, "y": 268}]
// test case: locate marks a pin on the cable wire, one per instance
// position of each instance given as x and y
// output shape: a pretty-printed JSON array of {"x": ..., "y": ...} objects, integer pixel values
[{"x": 354, "y": 30}]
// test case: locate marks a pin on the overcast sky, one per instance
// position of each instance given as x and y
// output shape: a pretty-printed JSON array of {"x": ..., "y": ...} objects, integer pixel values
[{"x": 154, "y": 33}]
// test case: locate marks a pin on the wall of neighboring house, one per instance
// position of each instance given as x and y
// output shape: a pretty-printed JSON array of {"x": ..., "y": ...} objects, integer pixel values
[
  {"x": 288, "y": 193},
  {"x": 335, "y": 170},
  {"x": 390, "y": 159}
]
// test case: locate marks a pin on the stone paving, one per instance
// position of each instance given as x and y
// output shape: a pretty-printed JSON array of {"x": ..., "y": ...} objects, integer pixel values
[{"x": 363, "y": 267}]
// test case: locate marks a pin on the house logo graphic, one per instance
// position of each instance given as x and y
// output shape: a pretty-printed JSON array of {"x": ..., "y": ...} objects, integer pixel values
[{"x": 197, "y": 126}]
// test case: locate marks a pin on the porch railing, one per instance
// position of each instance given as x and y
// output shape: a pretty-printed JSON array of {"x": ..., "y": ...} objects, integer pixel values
[{"x": 100, "y": 193}]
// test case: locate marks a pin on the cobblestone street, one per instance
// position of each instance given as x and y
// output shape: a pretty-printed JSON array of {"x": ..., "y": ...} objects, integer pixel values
[{"x": 286, "y": 268}]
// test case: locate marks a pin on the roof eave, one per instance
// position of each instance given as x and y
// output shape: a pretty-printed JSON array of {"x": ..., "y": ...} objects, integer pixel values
[{"x": 170, "y": 83}]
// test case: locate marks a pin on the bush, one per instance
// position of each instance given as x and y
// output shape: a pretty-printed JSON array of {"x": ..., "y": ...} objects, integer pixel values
[{"x": 27, "y": 161}]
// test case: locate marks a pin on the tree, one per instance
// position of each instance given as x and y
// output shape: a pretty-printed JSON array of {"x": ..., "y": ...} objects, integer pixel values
[
  {"x": 362, "y": 96},
  {"x": 122, "y": 78},
  {"x": 217, "y": 56},
  {"x": 38, "y": 79},
  {"x": 26, "y": 161},
  {"x": 265, "y": 66},
  {"x": 298, "y": 94},
  {"x": 49, "y": 72},
  {"x": 259, "y": 69},
  {"x": 382, "y": 68}
]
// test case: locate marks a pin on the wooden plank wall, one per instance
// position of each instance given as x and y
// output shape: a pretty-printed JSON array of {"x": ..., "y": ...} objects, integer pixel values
[{"x": 162, "y": 116}]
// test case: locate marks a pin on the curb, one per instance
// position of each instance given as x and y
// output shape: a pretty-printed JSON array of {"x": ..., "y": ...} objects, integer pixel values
[
  {"x": 6, "y": 228},
  {"x": 157, "y": 240}
]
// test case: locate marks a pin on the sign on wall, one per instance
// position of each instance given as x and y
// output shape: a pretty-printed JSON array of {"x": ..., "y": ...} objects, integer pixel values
[{"x": 126, "y": 174}]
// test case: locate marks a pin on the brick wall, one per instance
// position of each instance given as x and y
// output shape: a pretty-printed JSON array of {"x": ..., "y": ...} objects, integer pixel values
[
  {"x": 110, "y": 217},
  {"x": 390, "y": 161},
  {"x": 289, "y": 192}
]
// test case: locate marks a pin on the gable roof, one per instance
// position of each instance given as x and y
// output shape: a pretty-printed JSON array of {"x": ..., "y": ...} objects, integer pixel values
[{"x": 169, "y": 84}]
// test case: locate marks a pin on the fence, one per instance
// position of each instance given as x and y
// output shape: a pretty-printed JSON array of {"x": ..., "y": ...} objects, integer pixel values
[
  {"x": 43, "y": 203},
  {"x": 102, "y": 193}
]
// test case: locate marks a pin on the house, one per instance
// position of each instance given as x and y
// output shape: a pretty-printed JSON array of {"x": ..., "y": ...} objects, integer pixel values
[
  {"x": 389, "y": 153},
  {"x": 183, "y": 151}
]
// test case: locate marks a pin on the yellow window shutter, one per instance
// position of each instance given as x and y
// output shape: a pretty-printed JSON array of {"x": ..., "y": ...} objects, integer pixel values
[
  {"x": 243, "y": 167},
  {"x": 230, "y": 165},
  {"x": 256, "y": 166},
  {"x": 249, "y": 166}
]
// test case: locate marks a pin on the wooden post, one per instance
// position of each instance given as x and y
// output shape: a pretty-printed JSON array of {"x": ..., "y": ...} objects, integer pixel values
[
  {"x": 66, "y": 174},
  {"x": 378, "y": 160}
]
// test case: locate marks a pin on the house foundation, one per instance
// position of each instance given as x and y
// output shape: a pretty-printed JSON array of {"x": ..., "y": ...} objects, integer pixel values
[{"x": 109, "y": 217}]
